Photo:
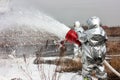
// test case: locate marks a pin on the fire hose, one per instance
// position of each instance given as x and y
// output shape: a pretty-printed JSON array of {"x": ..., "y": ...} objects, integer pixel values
[{"x": 111, "y": 68}]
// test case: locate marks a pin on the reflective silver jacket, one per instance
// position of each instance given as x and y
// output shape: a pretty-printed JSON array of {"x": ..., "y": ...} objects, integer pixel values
[
  {"x": 93, "y": 45},
  {"x": 77, "y": 49}
]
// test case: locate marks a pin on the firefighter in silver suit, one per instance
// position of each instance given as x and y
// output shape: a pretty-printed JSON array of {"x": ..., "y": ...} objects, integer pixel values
[
  {"x": 93, "y": 49},
  {"x": 78, "y": 29}
]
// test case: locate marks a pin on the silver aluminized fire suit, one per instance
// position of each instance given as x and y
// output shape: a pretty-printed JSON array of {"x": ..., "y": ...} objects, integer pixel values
[
  {"x": 77, "y": 49},
  {"x": 93, "y": 52}
]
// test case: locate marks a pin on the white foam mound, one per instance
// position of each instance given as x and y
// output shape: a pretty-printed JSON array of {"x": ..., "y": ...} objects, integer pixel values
[{"x": 3, "y": 78}]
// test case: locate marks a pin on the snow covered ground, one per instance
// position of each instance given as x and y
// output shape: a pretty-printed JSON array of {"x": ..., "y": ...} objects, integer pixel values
[{"x": 24, "y": 69}]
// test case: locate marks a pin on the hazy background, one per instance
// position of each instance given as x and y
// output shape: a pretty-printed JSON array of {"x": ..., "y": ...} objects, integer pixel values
[{"x": 68, "y": 11}]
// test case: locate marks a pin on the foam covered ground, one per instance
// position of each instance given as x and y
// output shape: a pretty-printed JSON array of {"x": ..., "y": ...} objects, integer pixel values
[{"x": 24, "y": 69}]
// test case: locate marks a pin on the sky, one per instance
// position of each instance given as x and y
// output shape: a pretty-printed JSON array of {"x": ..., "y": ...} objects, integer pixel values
[{"x": 69, "y": 11}]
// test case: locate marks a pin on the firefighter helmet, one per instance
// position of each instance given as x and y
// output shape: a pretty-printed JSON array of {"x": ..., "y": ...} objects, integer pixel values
[
  {"x": 77, "y": 24},
  {"x": 93, "y": 21}
]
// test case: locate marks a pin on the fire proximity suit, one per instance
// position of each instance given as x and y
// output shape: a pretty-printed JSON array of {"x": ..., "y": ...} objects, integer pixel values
[
  {"x": 93, "y": 49},
  {"x": 78, "y": 29}
]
